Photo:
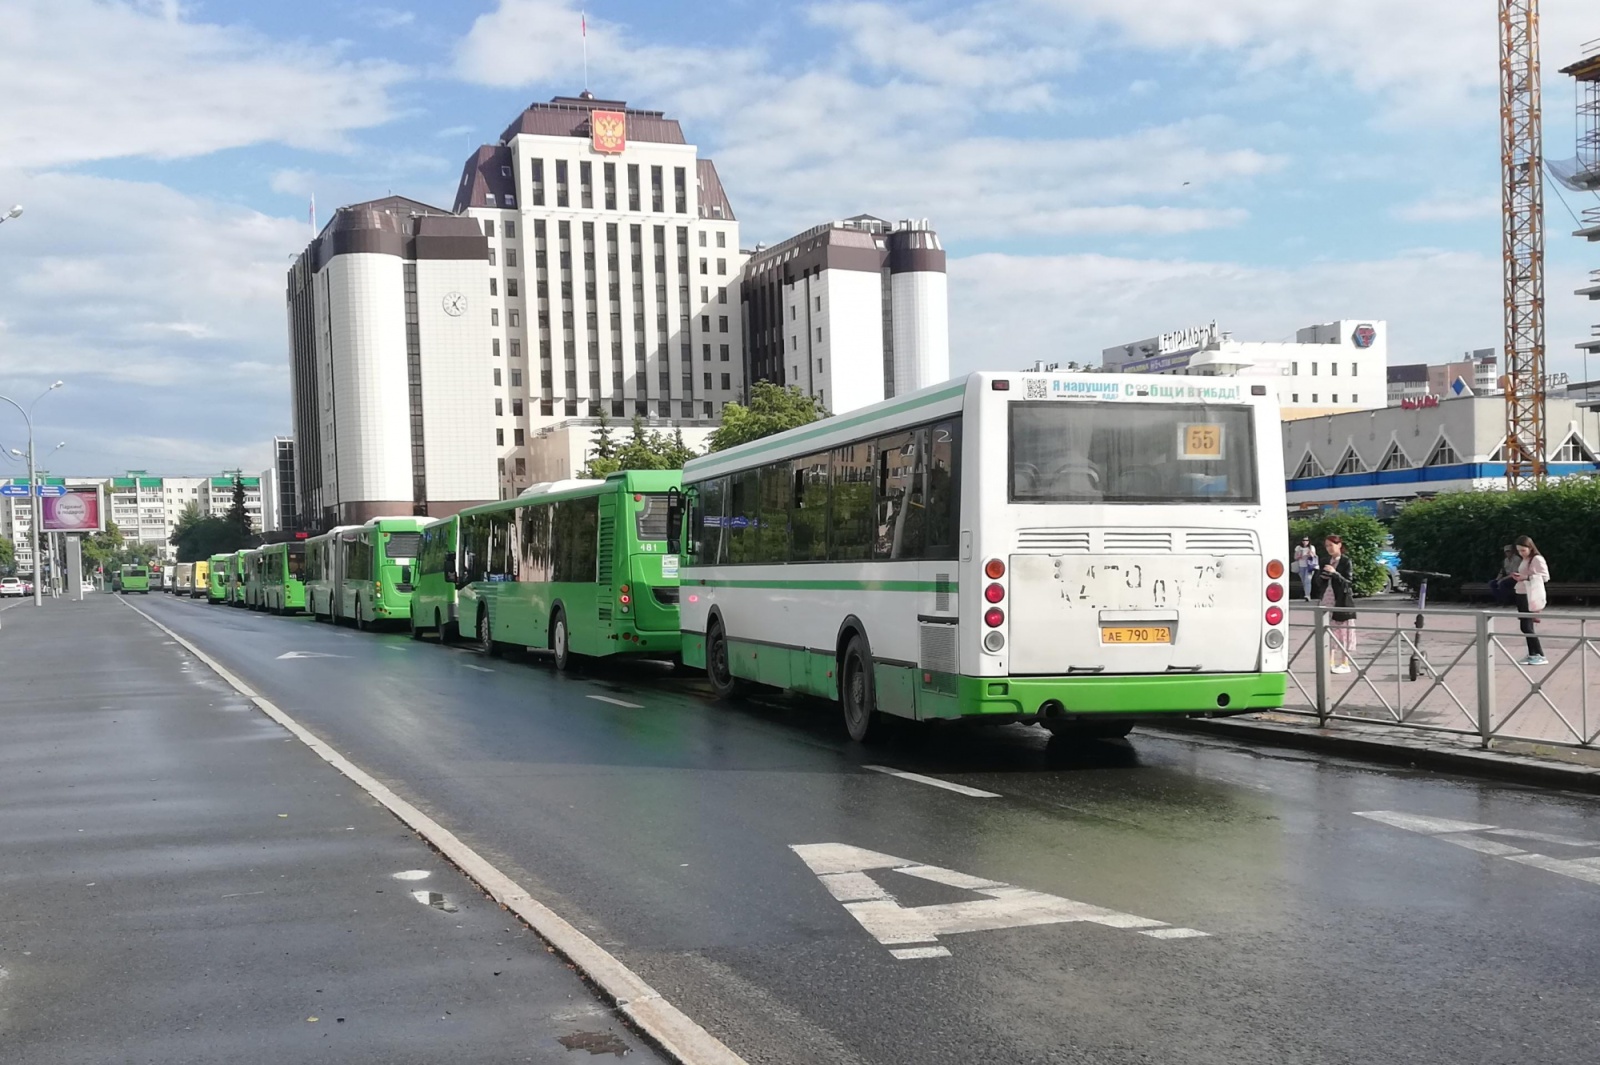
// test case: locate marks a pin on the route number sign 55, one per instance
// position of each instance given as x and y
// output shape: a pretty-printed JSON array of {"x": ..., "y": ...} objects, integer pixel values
[{"x": 1200, "y": 442}]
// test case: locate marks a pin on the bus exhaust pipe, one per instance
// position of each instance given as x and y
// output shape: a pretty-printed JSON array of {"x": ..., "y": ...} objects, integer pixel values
[{"x": 1051, "y": 708}]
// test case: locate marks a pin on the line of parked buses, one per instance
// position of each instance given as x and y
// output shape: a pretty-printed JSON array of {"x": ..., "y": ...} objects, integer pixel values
[{"x": 1078, "y": 552}]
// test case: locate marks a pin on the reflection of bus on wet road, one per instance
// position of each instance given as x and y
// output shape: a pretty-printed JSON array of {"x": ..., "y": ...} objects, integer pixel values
[{"x": 1080, "y": 551}]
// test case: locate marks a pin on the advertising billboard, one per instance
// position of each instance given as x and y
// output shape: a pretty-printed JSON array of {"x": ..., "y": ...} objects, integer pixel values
[{"x": 80, "y": 510}]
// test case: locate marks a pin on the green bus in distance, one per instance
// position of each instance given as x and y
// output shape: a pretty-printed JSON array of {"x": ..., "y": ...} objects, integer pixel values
[
  {"x": 236, "y": 577},
  {"x": 572, "y": 567},
  {"x": 252, "y": 579},
  {"x": 217, "y": 578},
  {"x": 283, "y": 584},
  {"x": 134, "y": 578},
  {"x": 433, "y": 594}
]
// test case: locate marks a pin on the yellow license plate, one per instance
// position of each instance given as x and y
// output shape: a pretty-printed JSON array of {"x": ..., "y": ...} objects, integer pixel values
[{"x": 1136, "y": 634}]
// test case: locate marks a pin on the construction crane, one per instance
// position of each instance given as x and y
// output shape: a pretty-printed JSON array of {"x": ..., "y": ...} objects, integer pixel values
[{"x": 1522, "y": 241}]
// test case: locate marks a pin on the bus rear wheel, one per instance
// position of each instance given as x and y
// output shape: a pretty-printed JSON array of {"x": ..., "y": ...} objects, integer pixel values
[
  {"x": 447, "y": 634},
  {"x": 416, "y": 630},
  {"x": 561, "y": 641},
  {"x": 719, "y": 669},
  {"x": 486, "y": 645},
  {"x": 858, "y": 694}
]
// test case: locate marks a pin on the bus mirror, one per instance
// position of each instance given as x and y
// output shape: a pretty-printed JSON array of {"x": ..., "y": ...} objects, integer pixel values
[
  {"x": 450, "y": 568},
  {"x": 674, "y": 521}
]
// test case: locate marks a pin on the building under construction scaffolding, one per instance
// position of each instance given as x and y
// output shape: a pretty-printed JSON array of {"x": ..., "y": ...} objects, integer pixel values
[{"x": 1582, "y": 173}]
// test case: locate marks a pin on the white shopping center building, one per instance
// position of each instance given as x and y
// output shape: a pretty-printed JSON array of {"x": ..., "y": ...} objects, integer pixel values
[{"x": 1327, "y": 369}]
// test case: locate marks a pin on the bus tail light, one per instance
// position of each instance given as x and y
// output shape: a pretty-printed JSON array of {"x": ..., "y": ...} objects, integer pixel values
[
  {"x": 377, "y": 587},
  {"x": 993, "y": 641},
  {"x": 1274, "y": 615},
  {"x": 1274, "y": 593},
  {"x": 994, "y": 569},
  {"x": 994, "y": 593},
  {"x": 994, "y": 617},
  {"x": 1275, "y": 569},
  {"x": 1274, "y": 639}
]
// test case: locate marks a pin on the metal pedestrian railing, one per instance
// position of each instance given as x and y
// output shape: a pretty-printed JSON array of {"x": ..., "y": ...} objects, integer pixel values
[{"x": 1449, "y": 670}]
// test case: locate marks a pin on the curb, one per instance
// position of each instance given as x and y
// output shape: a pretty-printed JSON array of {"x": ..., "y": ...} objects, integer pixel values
[
  {"x": 671, "y": 1030},
  {"x": 1497, "y": 765}
]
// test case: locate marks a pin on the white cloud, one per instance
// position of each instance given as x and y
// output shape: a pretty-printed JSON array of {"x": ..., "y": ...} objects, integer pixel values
[
  {"x": 389, "y": 18},
  {"x": 823, "y": 143},
  {"x": 101, "y": 79},
  {"x": 292, "y": 181},
  {"x": 454, "y": 131},
  {"x": 163, "y": 312},
  {"x": 1009, "y": 310},
  {"x": 1426, "y": 57},
  {"x": 1448, "y": 207}
]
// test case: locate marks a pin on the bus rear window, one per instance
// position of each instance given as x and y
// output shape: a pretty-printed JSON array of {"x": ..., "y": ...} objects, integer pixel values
[
  {"x": 1075, "y": 452},
  {"x": 402, "y": 544},
  {"x": 650, "y": 519}
]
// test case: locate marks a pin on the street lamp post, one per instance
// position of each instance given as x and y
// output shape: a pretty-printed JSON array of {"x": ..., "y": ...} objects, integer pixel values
[
  {"x": 33, "y": 486},
  {"x": 14, "y": 212}
]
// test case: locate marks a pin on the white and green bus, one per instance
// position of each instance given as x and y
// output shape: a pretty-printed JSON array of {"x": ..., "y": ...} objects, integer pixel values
[{"x": 1082, "y": 551}]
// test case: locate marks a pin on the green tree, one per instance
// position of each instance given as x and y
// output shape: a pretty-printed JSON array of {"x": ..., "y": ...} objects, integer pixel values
[
  {"x": 103, "y": 549},
  {"x": 209, "y": 536},
  {"x": 605, "y": 448},
  {"x": 8, "y": 557},
  {"x": 772, "y": 409},
  {"x": 237, "y": 516},
  {"x": 643, "y": 450}
]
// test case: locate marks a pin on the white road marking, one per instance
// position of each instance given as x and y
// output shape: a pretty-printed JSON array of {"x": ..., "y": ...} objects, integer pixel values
[
  {"x": 305, "y": 654},
  {"x": 616, "y": 702},
  {"x": 1172, "y": 933},
  {"x": 480, "y": 669},
  {"x": 959, "y": 789},
  {"x": 1586, "y": 869},
  {"x": 844, "y": 871},
  {"x": 669, "y": 1027},
  {"x": 412, "y": 874}
]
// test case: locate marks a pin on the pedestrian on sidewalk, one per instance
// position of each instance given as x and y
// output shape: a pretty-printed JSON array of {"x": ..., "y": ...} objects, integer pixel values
[
  {"x": 1305, "y": 564},
  {"x": 1532, "y": 573},
  {"x": 1334, "y": 585},
  {"x": 1503, "y": 588}
]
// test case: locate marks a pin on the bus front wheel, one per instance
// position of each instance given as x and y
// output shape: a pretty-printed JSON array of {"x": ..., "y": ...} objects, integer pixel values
[
  {"x": 486, "y": 645},
  {"x": 561, "y": 641},
  {"x": 858, "y": 693}
]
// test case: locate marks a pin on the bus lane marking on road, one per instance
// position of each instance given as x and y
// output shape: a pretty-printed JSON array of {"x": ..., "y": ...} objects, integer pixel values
[
  {"x": 617, "y": 702},
  {"x": 307, "y": 654},
  {"x": 1470, "y": 835},
  {"x": 959, "y": 789},
  {"x": 845, "y": 871},
  {"x": 480, "y": 669},
  {"x": 673, "y": 1031}
]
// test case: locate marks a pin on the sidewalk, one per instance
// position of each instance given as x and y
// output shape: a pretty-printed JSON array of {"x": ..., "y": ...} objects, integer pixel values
[
  {"x": 1523, "y": 761},
  {"x": 184, "y": 882}
]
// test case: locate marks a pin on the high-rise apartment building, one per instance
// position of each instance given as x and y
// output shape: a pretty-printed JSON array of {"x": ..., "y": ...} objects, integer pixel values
[
  {"x": 391, "y": 360},
  {"x": 613, "y": 272},
  {"x": 851, "y": 312},
  {"x": 278, "y": 512}
]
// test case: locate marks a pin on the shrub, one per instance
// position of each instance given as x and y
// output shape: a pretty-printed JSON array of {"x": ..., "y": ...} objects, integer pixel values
[
  {"x": 1363, "y": 538},
  {"x": 1462, "y": 533}
]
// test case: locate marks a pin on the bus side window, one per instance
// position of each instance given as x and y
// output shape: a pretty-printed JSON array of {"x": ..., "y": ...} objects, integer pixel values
[
  {"x": 850, "y": 503},
  {"x": 809, "y": 508},
  {"x": 743, "y": 514},
  {"x": 706, "y": 520},
  {"x": 775, "y": 492},
  {"x": 901, "y": 511},
  {"x": 943, "y": 485}
]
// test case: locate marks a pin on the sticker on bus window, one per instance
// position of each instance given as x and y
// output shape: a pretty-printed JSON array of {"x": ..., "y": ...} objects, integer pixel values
[
  {"x": 669, "y": 565},
  {"x": 1200, "y": 442}
]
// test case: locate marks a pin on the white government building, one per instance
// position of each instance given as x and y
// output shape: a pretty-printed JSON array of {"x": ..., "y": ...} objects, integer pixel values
[{"x": 1327, "y": 369}]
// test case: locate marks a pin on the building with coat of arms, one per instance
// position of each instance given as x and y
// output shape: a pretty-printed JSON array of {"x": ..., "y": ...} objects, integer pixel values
[{"x": 1327, "y": 368}]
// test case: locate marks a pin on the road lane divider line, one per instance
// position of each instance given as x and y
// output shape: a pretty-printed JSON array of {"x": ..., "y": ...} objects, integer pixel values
[
  {"x": 617, "y": 702},
  {"x": 480, "y": 669},
  {"x": 668, "y": 1027},
  {"x": 959, "y": 789},
  {"x": 1469, "y": 834}
]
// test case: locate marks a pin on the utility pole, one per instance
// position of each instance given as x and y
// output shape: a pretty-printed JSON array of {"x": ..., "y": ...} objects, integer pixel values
[{"x": 1522, "y": 241}]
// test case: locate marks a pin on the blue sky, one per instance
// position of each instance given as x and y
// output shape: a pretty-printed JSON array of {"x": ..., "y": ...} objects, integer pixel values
[{"x": 1100, "y": 170}]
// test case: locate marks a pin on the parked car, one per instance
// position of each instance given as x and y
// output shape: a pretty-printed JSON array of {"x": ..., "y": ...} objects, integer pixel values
[
  {"x": 88, "y": 587},
  {"x": 11, "y": 587},
  {"x": 1391, "y": 562}
]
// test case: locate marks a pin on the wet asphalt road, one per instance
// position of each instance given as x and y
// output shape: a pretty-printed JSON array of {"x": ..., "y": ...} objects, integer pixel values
[{"x": 664, "y": 830}]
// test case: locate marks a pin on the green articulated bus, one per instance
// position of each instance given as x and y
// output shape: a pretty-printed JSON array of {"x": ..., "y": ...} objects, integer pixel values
[
  {"x": 134, "y": 579},
  {"x": 199, "y": 579},
  {"x": 433, "y": 595},
  {"x": 322, "y": 587},
  {"x": 573, "y": 567},
  {"x": 236, "y": 576},
  {"x": 283, "y": 577},
  {"x": 217, "y": 578}
]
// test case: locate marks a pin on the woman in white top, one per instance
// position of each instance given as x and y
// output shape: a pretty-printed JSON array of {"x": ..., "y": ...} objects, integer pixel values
[{"x": 1532, "y": 573}]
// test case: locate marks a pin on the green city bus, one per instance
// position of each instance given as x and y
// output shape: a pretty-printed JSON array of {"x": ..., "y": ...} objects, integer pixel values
[
  {"x": 283, "y": 569},
  {"x": 433, "y": 596},
  {"x": 217, "y": 578},
  {"x": 199, "y": 579},
  {"x": 236, "y": 575},
  {"x": 374, "y": 564},
  {"x": 134, "y": 578},
  {"x": 322, "y": 585},
  {"x": 252, "y": 579},
  {"x": 573, "y": 567}
]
